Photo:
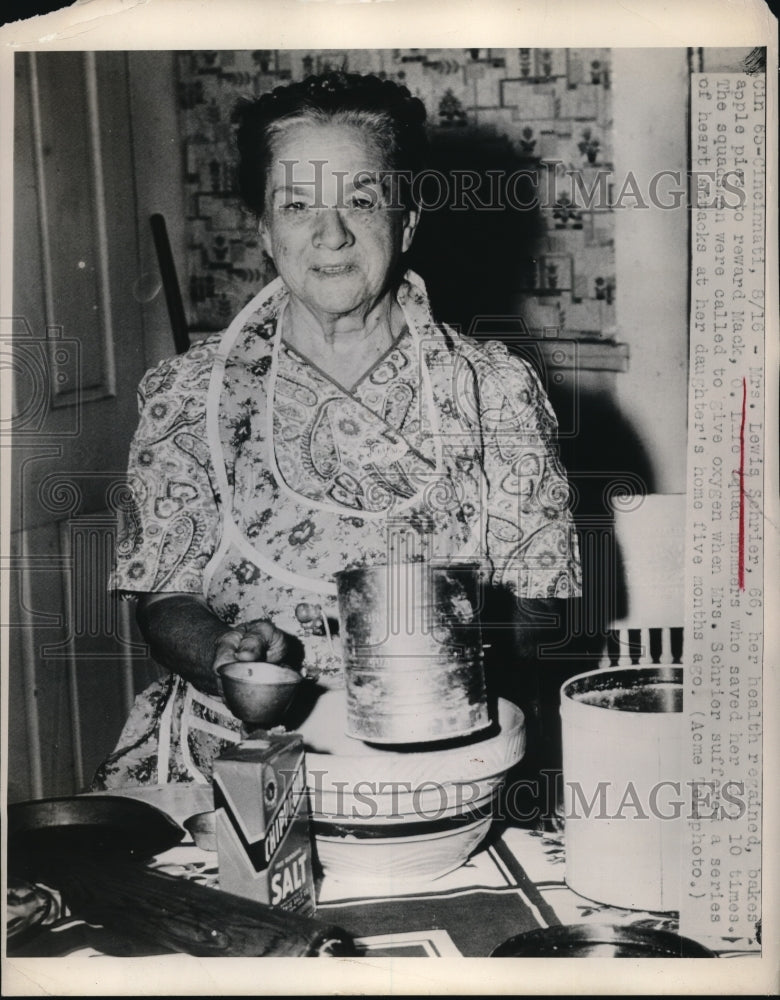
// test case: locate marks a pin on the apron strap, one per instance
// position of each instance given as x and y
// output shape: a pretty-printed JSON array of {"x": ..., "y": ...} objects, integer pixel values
[
  {"x": 164, "y": 737},
  {"x": 190, "y": 721}
]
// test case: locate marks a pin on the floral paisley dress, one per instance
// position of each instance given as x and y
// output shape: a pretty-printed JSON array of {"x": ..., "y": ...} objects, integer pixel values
[{"x": 255, "y": 477}]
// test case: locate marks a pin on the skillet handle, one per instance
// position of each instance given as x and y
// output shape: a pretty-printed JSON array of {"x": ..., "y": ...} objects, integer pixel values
[{"x": 185, "y": 916}]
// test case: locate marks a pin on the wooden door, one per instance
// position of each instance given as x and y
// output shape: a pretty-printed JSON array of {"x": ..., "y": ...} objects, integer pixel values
[{"x": 76, "y": 345}]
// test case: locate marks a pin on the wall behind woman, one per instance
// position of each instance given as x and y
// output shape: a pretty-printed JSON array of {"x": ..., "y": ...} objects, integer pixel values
[
  {"x": 510, "y": 109},
  {"x": 651, "y": 130}
]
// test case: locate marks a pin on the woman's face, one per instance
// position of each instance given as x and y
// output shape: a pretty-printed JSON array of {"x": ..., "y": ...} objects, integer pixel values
[{"x": 332, "y": 234}]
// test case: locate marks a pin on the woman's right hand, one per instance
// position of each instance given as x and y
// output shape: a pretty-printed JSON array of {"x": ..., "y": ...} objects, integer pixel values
[
  {"x": 258, "y": 640},
  {"x": 255, "y": 641},
  {"x": 187, "y": 638}
]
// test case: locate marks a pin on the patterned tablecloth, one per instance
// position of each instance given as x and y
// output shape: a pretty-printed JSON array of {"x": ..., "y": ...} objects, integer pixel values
[{"x": 514, "y": 883}]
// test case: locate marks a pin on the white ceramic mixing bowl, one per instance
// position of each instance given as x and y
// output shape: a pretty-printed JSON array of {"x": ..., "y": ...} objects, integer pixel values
[{"x": 392, "y": 816}]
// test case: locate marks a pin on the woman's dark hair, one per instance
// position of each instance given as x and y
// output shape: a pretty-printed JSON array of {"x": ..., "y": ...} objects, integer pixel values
[{"x": 385, "y": 111}]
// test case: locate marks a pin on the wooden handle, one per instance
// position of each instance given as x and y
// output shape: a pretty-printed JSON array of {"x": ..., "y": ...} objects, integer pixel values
[
  {"x": 185, "y": 916},
  {"x": 173, "y": 299}
]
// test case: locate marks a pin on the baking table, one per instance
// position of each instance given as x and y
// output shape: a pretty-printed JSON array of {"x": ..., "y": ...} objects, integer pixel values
[{"x": 513, "y": 883}]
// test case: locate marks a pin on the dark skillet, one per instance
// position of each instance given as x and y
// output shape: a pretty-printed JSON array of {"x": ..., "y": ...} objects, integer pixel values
[
  {"x": 45, "y": 830},
  {"x": 91, "y": 848}
]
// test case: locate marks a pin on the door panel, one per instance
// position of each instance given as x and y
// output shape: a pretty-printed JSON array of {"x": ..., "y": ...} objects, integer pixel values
[
  {"x": 73, "y": 208},
  {"x": 76, "y": 659},
  {"x": 76, "y": 262}
]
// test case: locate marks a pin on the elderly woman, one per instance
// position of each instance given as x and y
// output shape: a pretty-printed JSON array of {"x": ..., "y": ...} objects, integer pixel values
[{"x": 333, "y": 423}]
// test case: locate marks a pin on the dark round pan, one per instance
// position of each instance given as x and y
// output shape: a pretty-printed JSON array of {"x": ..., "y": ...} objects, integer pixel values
[
  {"x": 104, "y": 825},
  {"x": 600, "y": 941},
  {"x": 89, "y": 847}
]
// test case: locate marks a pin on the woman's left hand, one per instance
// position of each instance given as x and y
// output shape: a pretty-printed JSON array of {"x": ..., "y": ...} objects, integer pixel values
[
  {"x": 310, "y": 617},
  {"x": 314, "y": 622}
]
